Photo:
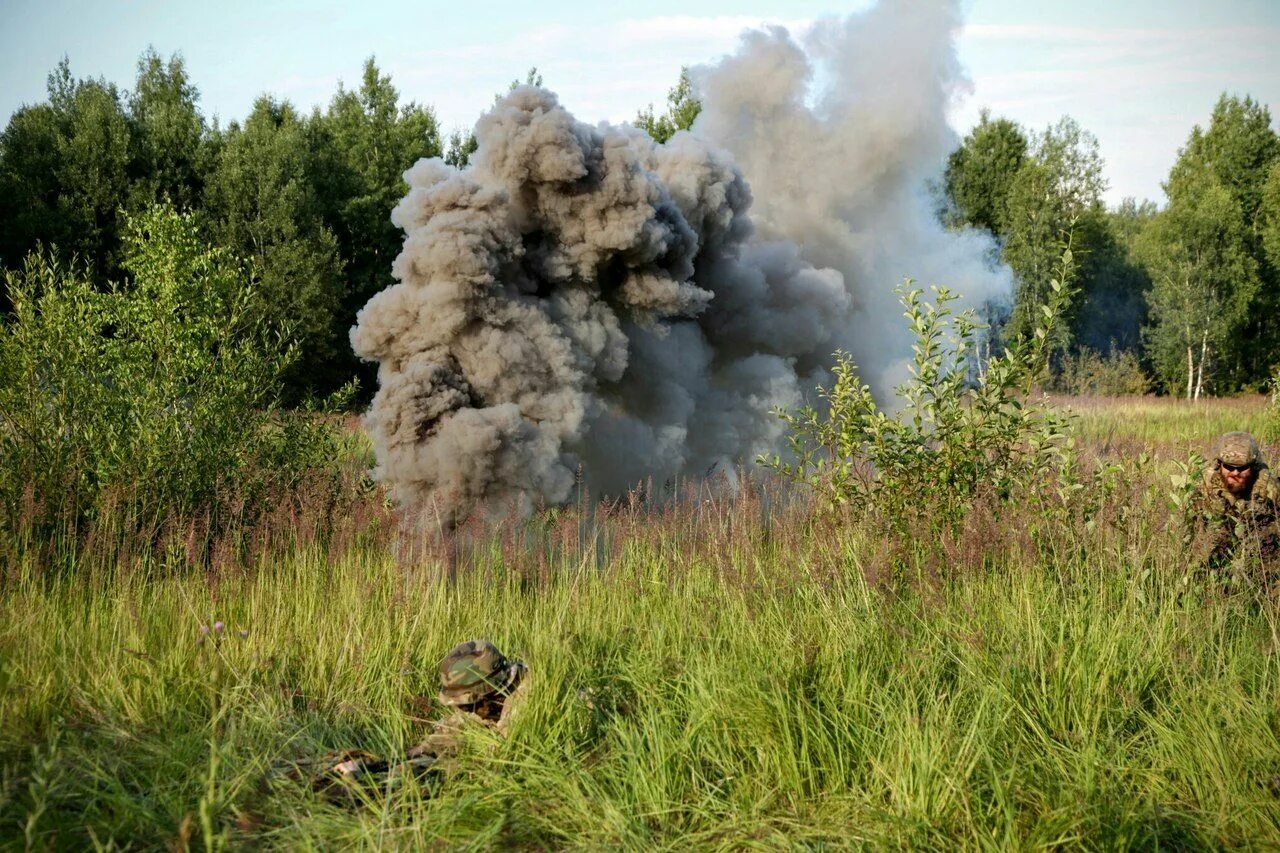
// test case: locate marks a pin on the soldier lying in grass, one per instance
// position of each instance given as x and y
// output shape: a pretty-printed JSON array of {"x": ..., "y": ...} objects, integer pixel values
[
  {"x": 1237, "y": 506},
  {"x": 476, "y": 681}
]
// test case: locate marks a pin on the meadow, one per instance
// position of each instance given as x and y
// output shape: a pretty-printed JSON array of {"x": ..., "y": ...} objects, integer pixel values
[
  {"x": 1163, "y": 426},
  {"x": 708, "y": 673}
]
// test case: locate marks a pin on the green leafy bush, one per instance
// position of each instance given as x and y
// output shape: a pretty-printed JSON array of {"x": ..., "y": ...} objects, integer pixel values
[
  {"x": 954, "y": 438},
  {"x": 156, "y": 398}
]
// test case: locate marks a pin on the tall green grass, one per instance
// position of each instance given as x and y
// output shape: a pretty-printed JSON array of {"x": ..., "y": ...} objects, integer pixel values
[
  {"x": 716, "y": 675},
  {"x": 1164, "y": 425}
]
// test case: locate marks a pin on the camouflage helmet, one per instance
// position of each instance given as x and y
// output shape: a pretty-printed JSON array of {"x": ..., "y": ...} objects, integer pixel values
[
  {"x": 476, "y": 670},
  {"x": 1238, "y": 449}
]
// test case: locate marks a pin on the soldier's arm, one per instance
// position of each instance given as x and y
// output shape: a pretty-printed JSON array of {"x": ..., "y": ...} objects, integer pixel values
[
  {"x": 1222, "y": 544},
  {"x": 1266, "y": 520},
  {"x": 1205, "y": 521},
  {"x": 1267, "y": 504}
]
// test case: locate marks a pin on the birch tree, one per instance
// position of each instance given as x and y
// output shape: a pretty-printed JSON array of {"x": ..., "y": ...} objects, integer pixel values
[
  {"x": 1204, "y": 281},
  {"x": 1237, "y": 149}
]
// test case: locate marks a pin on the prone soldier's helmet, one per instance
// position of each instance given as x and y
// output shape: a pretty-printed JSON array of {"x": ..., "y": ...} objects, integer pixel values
[
  {"x": 476, "y": 670},
  {"x": 1238, "y": 449}
]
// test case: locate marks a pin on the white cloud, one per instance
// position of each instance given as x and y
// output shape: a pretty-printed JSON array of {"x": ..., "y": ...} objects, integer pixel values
[
  {"x": 602, "y": 72},
  {"x": 1139, "y": 90}
]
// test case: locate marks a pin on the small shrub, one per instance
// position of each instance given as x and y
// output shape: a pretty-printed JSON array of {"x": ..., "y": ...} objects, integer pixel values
[
  {"x": 156, "y": 398},
  {"x": 954, "y": 438},
  {"x": 1090, "y": 373}
]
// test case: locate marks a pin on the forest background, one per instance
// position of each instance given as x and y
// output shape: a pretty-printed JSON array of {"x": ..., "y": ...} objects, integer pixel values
[{"x": 1173, "y": 300}]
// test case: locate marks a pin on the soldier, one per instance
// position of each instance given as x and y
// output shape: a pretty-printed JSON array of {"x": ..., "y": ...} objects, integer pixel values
[
  {"x": 477, "y": 682},
  {"x": 1238, "y": 502},
  {"x": 482, "y": 687}
]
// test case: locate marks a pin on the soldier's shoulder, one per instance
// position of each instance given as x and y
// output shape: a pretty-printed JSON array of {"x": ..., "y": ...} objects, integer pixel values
[{"x": 1267, "y": 486}]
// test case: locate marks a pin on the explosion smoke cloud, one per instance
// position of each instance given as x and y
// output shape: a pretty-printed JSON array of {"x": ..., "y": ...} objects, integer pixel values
[{"x": 583, "y": 298}]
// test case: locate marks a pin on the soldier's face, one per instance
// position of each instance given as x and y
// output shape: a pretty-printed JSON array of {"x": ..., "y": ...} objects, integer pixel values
[
  {"x": 1237, "y": 479},
  {"x": 489, "y": 708}
]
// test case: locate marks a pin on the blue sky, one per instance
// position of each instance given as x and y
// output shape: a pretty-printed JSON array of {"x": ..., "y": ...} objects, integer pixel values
[{"x": 1137, "y": 74}]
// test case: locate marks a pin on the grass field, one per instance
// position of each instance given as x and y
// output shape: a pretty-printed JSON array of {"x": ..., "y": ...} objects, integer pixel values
[
  {"x": 1165, "y": 426},
  {"x": 716, "y": 674}
]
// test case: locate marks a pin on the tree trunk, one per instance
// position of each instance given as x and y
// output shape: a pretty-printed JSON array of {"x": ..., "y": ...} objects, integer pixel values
[
  {"x": 1191, "y": 372},
  {"x": 1204, "y": 352}
]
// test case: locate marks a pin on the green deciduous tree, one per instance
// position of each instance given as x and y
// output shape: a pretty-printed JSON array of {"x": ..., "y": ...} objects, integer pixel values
[
  {"x": 1111, "y": 307},
  {"x": 1057, "y": 190},
  {"x": 260, "y": 203},
  {"x": 155, "y": 398},
  {"x": 952, "y": 440},
  {"x": 1238, "y": 148},
  {"x": 1029, "y": 192},
  {"x": 980, "y": 174},
  {"x": 1269, "y": 217},
  {"x": 168, "y": 156},
  {"x": 460, "y": 149},
  {"x": 361, "y": 148},
  {"x": 1204, "y": 282},
  {"x": 64, "y": 173},
  {"x": 29, "y": 189},
  {"x": 682, "y": 108}
]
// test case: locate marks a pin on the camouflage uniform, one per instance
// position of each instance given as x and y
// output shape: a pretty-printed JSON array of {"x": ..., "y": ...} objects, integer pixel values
[
  {"x": 1243, "y": 529},
  {"x": 482, "y": 687}
]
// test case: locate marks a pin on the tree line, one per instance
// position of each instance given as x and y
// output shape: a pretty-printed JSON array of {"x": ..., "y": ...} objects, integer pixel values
[
  {"x": 1184, "y": 294},
  {"x": 1175, "y": 298},
  {"x": 305, "y": 200}
]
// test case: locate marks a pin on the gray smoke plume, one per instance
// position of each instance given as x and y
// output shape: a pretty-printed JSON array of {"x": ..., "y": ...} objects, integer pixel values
[
  {"x": 839, "y": 139},
  {"x": 581, "y": 298}
]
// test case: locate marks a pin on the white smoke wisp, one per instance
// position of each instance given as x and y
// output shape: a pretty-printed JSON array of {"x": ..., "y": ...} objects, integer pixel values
[{"x": 583, "y": 299}]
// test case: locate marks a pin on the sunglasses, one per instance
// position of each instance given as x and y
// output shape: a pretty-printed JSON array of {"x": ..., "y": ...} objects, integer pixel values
[{"x": 1234, "y": 469}]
